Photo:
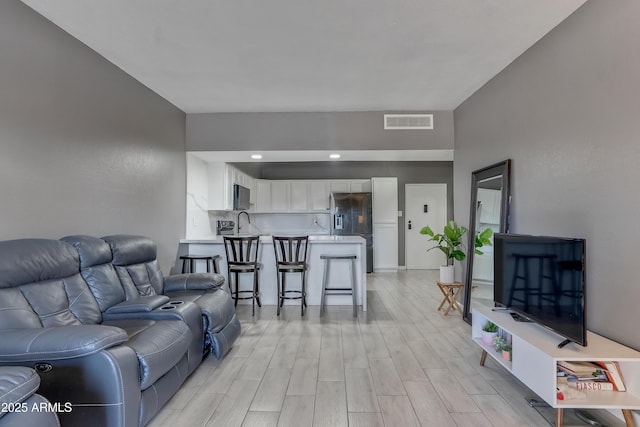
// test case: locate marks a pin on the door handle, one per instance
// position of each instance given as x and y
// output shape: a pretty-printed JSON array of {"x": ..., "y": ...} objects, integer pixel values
[{"x": 409, "y": 225}]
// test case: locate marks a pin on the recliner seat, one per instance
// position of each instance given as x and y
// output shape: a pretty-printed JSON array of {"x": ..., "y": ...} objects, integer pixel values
[{"x": 134, "y": 258}]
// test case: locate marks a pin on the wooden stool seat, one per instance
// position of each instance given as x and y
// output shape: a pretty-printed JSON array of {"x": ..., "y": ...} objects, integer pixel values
[
  {"x": 450, "y": 292},
  {"x": 189, "y": 262}
]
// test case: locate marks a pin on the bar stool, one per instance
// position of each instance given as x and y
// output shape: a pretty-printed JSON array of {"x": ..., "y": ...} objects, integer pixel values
[
  {"x": 242, "y": 257},
  {"x": 339, "y": 291},
  {"x": 189, "y": 262},
  {"x": 291, "y": 257}
]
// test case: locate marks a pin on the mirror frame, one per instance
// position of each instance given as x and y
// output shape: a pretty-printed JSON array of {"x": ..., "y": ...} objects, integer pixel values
[{"x": 502, "y": 168}]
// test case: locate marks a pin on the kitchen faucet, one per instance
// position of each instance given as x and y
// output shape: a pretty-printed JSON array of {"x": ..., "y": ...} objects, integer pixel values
[{"x": 238, "y": 219}]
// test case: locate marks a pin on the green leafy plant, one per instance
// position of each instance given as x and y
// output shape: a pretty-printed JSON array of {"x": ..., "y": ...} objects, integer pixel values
[
  {"x": 506, "y": 347},
  {"x": 483, "y": 238},
  {"x": 490, "y": 327},
  {"x": 449, "y": 241}
]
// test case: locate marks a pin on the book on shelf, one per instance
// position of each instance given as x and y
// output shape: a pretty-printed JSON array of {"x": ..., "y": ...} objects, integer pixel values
[
  {"x": 591, "y": 385},
  {"x": 612, "y": 371},
  {"x": 581, "y": 369}
]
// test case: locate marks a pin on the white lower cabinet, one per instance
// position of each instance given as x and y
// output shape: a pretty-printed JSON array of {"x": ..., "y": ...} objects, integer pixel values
[{"x": 385, "y": 248}]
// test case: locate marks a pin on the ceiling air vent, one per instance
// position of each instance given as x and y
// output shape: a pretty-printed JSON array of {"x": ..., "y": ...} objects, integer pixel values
[{"x": 408, "y": 121}]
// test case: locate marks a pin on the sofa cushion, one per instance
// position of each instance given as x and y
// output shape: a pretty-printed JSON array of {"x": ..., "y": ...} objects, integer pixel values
[
  {"x": 216, "y": 306},
  {"x": 47, "y": 273},
  {"x": 16, "y": 384},
  {"x": 34, "y": 260},
  {"x": 159, "y": 345},
  {"x": 97, "y": 270},
  {"x": 15, "y": 311},
  {"x": 135, "y": 261}
]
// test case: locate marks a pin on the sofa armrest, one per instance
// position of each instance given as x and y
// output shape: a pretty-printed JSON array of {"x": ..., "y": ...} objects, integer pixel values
[
  {"x": 17, "y": 383},
  {"x": 57, "y": 343},
  {"x": 193, "y": 282},
  {"x": 143, "y": 304}
]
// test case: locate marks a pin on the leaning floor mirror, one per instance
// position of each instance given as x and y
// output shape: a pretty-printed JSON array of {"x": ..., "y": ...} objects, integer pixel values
[{"x": 490, "y": 198}]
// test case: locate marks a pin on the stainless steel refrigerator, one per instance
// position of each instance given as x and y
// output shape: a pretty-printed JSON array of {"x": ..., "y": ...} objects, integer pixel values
[{"x": 351, "y": 216}]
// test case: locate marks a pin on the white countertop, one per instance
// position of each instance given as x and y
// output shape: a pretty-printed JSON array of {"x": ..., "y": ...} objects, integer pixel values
[{"x": 267, "y": 239}]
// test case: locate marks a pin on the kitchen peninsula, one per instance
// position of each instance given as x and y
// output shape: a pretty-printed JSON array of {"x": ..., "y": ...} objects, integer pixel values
[{"x": 318, "y": 245}]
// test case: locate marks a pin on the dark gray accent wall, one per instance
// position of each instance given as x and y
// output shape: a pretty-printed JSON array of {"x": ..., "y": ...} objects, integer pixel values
[
  {"x": 567, "y": 112},
  {"x": 407, "y": 173},
  {"x": 84, "y": 148},
  {"x": 312, "y": 131}
]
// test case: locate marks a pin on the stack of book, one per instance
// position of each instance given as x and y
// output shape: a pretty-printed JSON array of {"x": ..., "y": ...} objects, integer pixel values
[{"x": 591, "y": 376}]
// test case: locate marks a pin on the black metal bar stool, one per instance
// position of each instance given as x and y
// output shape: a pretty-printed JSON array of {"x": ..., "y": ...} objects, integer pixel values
[
  {"x": 291, "y": 257},
  {"x": 242, "y": 257},
  {"x": 339, "y": 291},
  {"x": 189, "y": 262}
]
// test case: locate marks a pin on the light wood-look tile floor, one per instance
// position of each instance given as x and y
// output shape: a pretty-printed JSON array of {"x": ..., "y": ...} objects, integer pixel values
[{"x": 400, "y": 363}]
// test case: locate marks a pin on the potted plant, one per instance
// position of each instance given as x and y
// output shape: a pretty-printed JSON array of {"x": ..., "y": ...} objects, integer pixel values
[
  {"x": 450, "y": 242},
  {"x": 489, "y": 332},
  {"x": 506, "y": 352},
  {"x": 499, "y": 343}
]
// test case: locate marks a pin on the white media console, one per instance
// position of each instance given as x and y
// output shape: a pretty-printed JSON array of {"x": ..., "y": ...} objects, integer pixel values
[{"x": 535, "y": 354}]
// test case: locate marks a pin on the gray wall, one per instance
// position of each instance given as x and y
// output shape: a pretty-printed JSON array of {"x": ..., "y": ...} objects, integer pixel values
[
  {"x": 84, "y": 147},
  {"x": 567, "y": 113},
  {"x": 311, "y": 131},
  {"x": 407, "y": 173}
]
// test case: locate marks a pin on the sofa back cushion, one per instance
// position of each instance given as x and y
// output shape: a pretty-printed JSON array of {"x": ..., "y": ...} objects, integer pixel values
[
  {"x": 41, "y": 285},
  {"x": 134, "y": 258},
  {"x": 97, "y": 270}
]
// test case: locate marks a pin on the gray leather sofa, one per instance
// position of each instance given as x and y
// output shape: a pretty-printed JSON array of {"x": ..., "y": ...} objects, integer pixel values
[
  {"x": 115, "y": 358},
  {"x": 19, "y": 403}
]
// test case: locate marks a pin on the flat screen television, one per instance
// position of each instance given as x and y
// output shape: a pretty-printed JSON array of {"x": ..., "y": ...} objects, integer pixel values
[
  {"x": 543, "y": 279},
  {"x": 240, "y": 198}
]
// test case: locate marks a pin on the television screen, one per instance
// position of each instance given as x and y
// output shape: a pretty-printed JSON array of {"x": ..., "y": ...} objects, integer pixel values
[
  {"x": 240, "y": 198},
  {"x": 543, "y": 279}
]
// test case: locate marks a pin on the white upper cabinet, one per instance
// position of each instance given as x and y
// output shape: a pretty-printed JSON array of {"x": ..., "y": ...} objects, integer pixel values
[
  {"x": 220, "y": 186},
  {"x": 351, "y": 186},
  {"x": 263, "y": 195},
  {"x": 280, "y": 196},
  {"x": 360, "y": 186},
  {"x": 299, "y": 198},
  {"x": 319, "y": 196},
  {"x": 341, "y": 186}
]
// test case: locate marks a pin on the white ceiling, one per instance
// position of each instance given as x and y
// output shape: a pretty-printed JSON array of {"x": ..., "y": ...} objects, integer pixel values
[{"x": 309, "y": 55}]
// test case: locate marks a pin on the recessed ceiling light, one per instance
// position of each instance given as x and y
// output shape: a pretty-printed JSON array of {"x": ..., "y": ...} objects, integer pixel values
[
  {"x": 256, "y": 156},
  {"x": 334, "y": 156}
]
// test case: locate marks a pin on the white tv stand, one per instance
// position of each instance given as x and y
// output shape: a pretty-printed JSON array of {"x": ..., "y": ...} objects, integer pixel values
[{"x": 535, "y": 354}]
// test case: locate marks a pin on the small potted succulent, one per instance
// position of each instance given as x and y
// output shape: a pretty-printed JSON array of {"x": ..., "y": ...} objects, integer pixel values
[
  {"x": 499, "y": 342},
  {"x": 489, "y": 332},
  {"x": 506, "y": 352}
]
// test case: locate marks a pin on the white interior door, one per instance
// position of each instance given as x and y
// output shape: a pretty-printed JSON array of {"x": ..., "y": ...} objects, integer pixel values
[{"x": 425, "y": 204}]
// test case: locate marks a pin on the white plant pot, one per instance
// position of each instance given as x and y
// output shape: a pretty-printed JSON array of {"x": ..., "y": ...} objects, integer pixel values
[
  {"x": 487, "y": 337},
  {"x": 446, "y": 274}
]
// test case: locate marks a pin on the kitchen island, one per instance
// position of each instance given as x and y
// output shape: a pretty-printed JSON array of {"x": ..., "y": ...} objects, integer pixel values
[{"x": 318, "y": 245}]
